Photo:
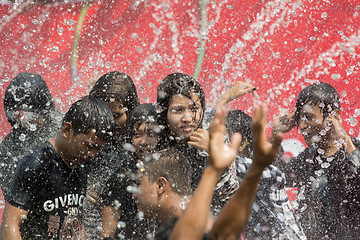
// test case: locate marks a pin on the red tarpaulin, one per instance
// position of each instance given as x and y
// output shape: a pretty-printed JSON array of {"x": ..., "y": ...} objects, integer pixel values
[{"x": 278, "y": 46}]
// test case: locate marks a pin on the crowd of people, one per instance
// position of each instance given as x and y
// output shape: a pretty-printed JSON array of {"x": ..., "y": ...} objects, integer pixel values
[{"x": 113, "y": 168}]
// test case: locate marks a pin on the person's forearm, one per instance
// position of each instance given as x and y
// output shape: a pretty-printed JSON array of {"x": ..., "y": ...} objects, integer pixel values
[
  {"x": 229, "y": 225},
  {"x": 110, "y": 218},
  {"x": 191, "y": 224}
]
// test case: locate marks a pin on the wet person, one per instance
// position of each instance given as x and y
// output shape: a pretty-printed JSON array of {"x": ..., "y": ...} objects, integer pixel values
[
  {"x": 166, "y": 183},
  {"x": 181, "y": 103},
  {"x": 272, "y": 216},
  {"x": 118, "y": 90},
  {"x": 49, "y": 189},
  {"x": 30, "y": 109},
  {"x": 117, "y": 202},
  {"x": 326, "y": 173}
]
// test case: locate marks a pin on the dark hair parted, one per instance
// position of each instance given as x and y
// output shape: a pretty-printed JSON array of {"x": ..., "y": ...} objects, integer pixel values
[
  {"x": 91, "y": 113},
  {"x": 173, "y": 84},
  {"x": 238, "y": 121},
  {"x": 321, "y": 94},
  {"x": 116, "y": 86},
  {"x": 173, "y": 166}
]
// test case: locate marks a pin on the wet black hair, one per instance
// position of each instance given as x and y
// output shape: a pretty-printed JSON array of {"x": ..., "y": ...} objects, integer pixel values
[
  {"x": 116, "y": 86},
  {"x": 239, "y": 121},
  {"x": 145, "y": 112},
  {"x": 91, "y": 113},
  {"x": 173, "y": 84},
  {"x": 173, "y": 166},
  {"x": 28, "y": 92},
  {"x": 321, "y": 94}
]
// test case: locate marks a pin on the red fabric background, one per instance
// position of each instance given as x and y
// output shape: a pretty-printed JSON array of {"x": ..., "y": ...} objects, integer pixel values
[{"x": 279, "y": 46}]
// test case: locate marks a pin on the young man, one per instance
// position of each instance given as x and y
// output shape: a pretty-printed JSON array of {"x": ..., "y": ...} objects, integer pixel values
[
  {"x": 326, "y": 173},
  {"x": 48, "y": 192},
  {"x": 30, "y": 109},
  {"x": 162, "y": 197}
]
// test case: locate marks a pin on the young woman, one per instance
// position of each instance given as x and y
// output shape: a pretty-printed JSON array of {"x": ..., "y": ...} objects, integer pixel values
[{"x": 181, "y": 104}]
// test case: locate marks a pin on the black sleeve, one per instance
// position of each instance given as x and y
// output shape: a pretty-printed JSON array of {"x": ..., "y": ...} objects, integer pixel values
[{"x": 25, "y": 183}]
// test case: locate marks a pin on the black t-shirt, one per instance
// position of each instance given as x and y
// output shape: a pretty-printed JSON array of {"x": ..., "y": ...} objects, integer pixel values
[{"x": 52, "y": 193}]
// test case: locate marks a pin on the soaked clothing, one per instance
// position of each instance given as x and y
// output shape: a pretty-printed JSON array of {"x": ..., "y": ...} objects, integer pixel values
[
  {"x": 328, "y": 201},
  {"x": 99, "y": 171},
  {"x": 225, "y": 187},
  {"x": 272, "y": 216},
  {"x": 52, "y": 193},
  {"x": 27, "y": 98},
  {"x": 14, "y": 147}
]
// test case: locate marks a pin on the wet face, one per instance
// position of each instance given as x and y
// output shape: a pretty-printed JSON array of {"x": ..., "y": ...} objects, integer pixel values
[
  {"x": 120, "y": 115},
  {"x": 184, "y": 115},
  {"x": 144, "y": 140},
  {"x": 311, "y": 124},
  {"x": 146, "y": 196},
  {"x": 81, "y": 147}
]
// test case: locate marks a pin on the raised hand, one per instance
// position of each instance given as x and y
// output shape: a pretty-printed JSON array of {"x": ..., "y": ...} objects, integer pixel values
[
  {"x": 284, "y": 124},
  {"x": 221, "y": 154},
  {"x": 264, "y": 152},
  {"x": 200, "y": 139}
]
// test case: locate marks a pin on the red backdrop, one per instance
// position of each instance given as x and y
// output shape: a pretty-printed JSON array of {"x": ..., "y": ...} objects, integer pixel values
[{"x": 279, "y": 46}]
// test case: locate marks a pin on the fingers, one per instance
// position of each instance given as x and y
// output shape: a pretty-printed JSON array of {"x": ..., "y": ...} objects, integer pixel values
[
  {"x": 276, "y": 143},
  {"x": 259, "y": 122},
  {"x": 218, "y": 123},
  {"x": 235, "y": 142}
]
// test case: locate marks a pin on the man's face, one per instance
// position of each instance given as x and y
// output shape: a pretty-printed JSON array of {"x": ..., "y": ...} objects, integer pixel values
[
  {"x": 145, "y": 140},
  {"x": 83, "y": 147},
  {"x": 120, "y": 116},
  {"x": 184, "y": 115},
  {"x": 312, "y": 124},
  {"x": 146, "y": 197}
]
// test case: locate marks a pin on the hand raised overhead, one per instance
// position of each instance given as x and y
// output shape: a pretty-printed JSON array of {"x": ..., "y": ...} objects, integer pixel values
[
  {"x": 264, "y": 152},
  {"x": 221, "y": 154}
]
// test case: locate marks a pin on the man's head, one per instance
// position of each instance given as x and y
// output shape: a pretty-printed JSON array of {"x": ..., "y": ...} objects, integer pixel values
[
  {"x": 86, "y": 128},
  {"x": 237, "y": 121},
  {"x": 314, "y": 104},
  {"x": 181, "y": 100},
  {"x": 163, "y": 178},
  {"x": 28, "y": 102},
  {"x": 119, "y": 92}
]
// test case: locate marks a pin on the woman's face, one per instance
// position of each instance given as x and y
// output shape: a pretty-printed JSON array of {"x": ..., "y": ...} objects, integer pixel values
[
  {"x": 120, "y": 116},
  {"x": 184, "y": 115},
  {"x": 144, "y": 140}
]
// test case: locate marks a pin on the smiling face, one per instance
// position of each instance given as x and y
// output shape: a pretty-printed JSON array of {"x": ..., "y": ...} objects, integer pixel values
[
  {"x": 184, "y": 115},
  {"x": 144, "y": 139},
  {"x": 311, "y": 123}
]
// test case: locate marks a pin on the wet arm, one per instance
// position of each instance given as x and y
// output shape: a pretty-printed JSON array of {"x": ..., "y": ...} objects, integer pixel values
[{"x": 10, "y": 226}]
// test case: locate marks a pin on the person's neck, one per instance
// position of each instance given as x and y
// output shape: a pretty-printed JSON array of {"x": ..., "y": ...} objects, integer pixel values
[
  {"x": 330, "y": 147},
  {"x": 176, "y": 205},
  {"x": 55, "y": 143}
]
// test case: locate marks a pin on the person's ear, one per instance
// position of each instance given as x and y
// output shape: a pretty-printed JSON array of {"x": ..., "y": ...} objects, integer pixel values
[
  {"x": 67, "y": 130},
  {"x": 162, "y": 186}
]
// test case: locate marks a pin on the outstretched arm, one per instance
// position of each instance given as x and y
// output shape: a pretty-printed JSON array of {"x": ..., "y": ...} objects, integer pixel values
[
  {"x": 191, "y": 225},
  {"x": 239, "y": 89},
  {"x": 234, "y": 216}
]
